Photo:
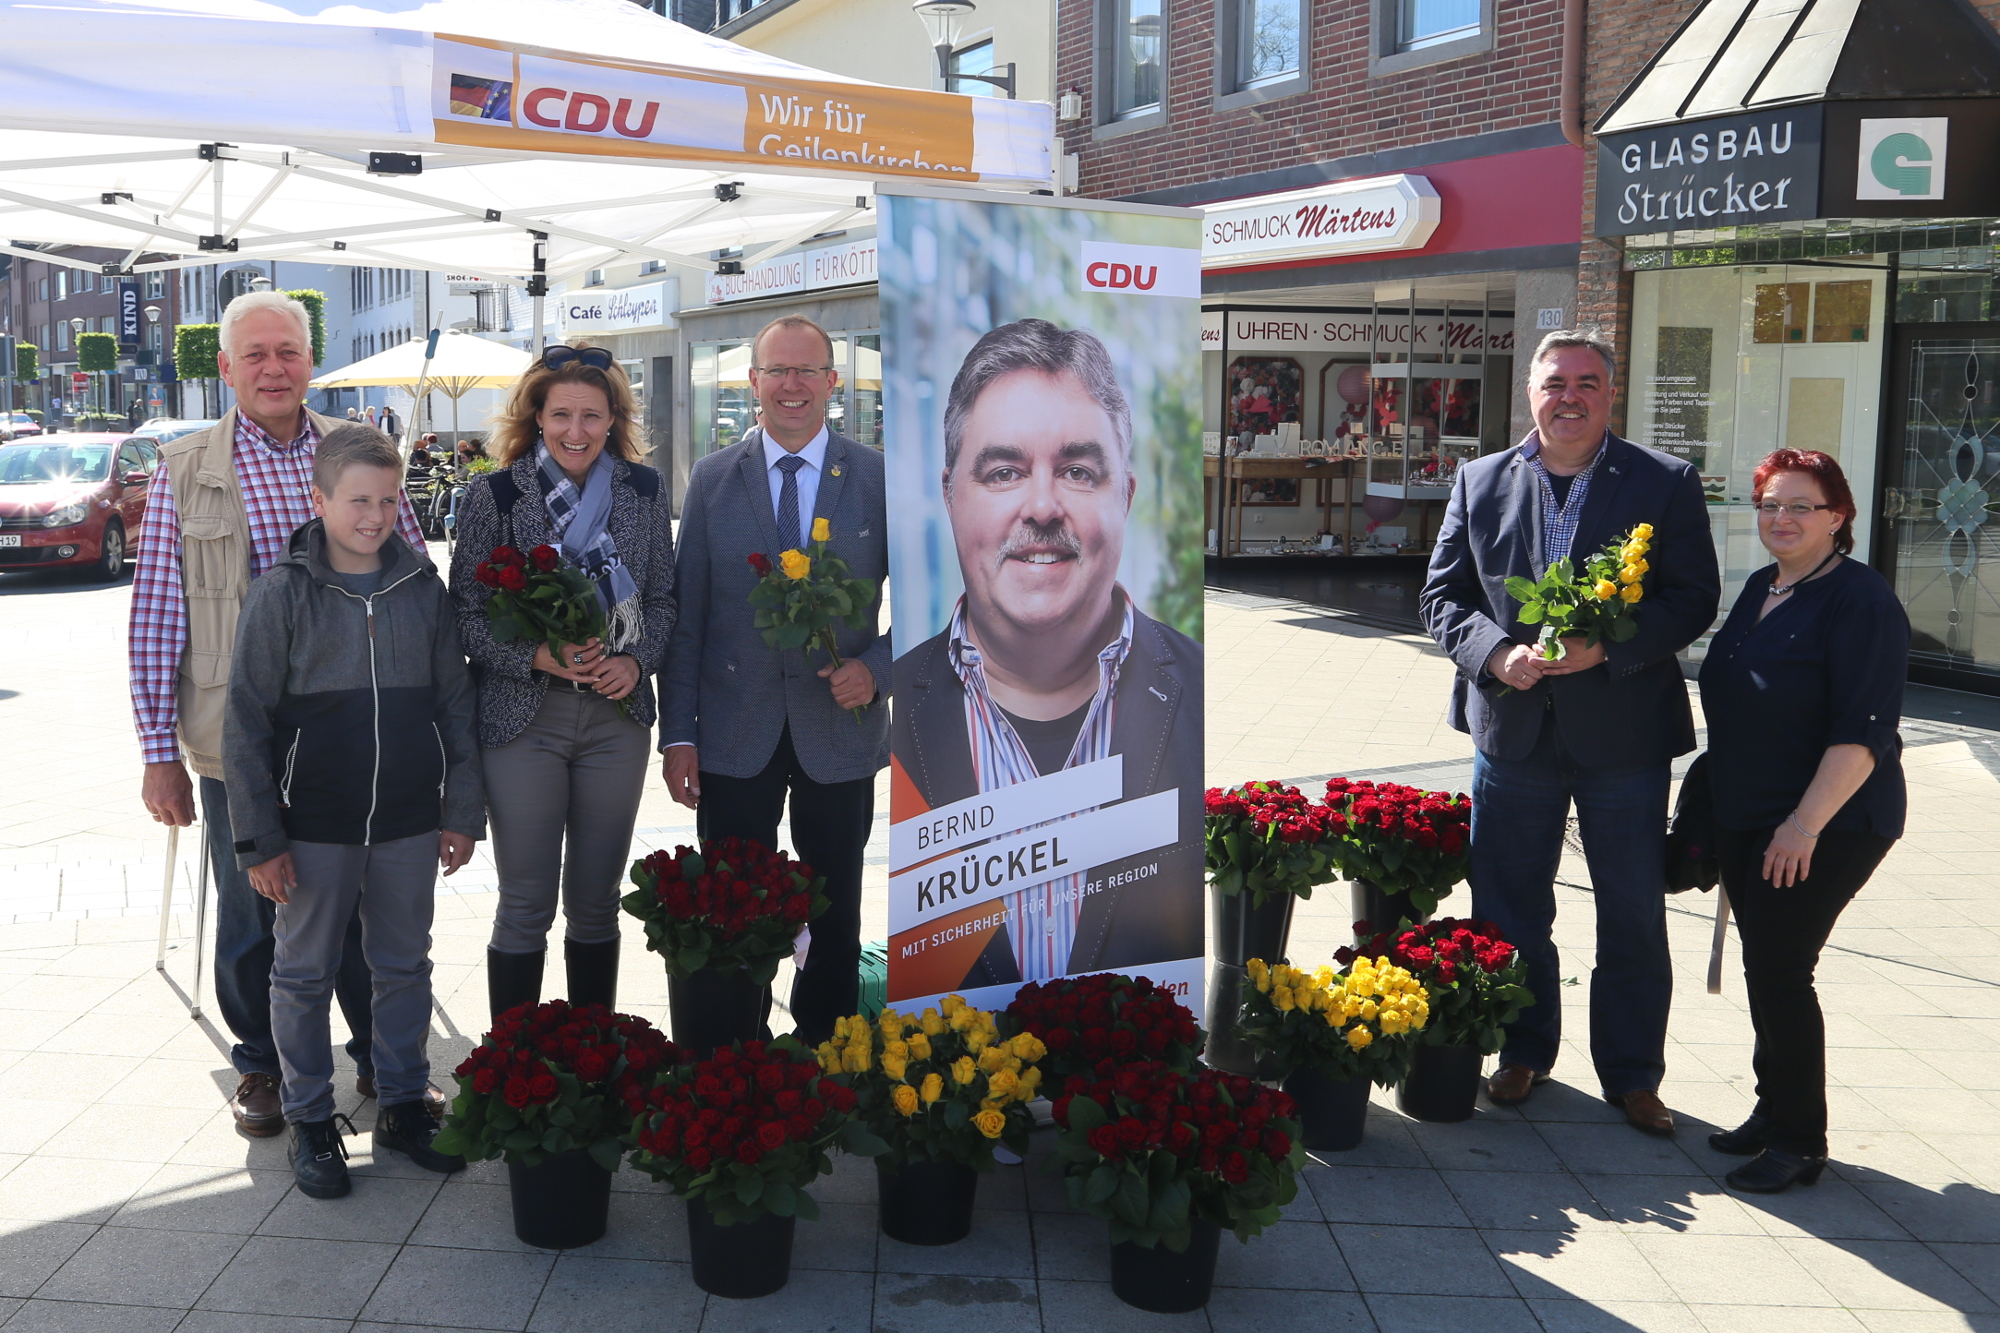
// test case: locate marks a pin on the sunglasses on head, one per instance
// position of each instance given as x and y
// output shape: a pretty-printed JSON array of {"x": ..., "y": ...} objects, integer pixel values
[{"x": 555, "y": 358}]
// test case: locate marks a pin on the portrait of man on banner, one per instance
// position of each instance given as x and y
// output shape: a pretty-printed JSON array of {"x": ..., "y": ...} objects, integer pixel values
[{"x": 1046, "y": 666}]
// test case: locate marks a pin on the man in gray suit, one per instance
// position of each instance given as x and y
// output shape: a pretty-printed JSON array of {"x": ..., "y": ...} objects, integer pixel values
[{"x": 743, "y": 725}]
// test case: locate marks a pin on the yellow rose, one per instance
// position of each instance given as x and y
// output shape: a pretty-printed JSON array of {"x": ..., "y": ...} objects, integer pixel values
[
  {"x": 1358, "y": 1038},
  {"x": 992, "y": 1058},
  {"x": 1282, "y": 997},
  {"x": 1605, "y": 590},
  {"x": 1001, "y": 1083},
  {"x": 964, "y": 1071},
  {"x": 976, "y": 1042},
  {"x": 893, "y": 1024},
  {"x": 1632, "y": 592},
  {"x": 821, "y": 530},
  {"x": 920, "y": 1046},
  {"x": 951, "y": 1004},
  {"x": 1643, "y": 532},
  {"x": 931, "y": 1024},
  {"x": 894, "y": 1066},
  {"x": 1630, "y": 574},
  {"x": 1257, "y": 970},
  {"x": 991, "y": 1123},
  {"x": 796, "y": 564},
  {"x": 1031, "y": 1079},
  {"x": 904, "y": 1097},
  {"x": 933, "y": 1088},
  {"x": 855, "y": 1059},
  {"x": 1028, "y": 1046}
]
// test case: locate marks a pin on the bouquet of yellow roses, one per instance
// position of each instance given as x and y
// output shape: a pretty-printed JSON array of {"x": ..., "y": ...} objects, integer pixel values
[
  {"x": 1361, "y": 1021},
  {"x": 942, "y": 1086},
  {"x": 800, "y": 597},
  {"x": 1596, "y": 601}
]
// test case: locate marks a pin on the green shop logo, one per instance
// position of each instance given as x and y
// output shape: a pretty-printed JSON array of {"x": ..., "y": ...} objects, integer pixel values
[{"x": 1902, "y": 159}]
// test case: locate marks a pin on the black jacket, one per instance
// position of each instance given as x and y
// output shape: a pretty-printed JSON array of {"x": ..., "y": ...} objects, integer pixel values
[
  {"x": 350, "y": 719},
  {"x": 1157, "y": 729},
  {"x": 1633, "y": 709}
]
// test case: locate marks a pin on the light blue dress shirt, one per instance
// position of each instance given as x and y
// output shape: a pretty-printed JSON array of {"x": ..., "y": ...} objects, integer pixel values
[{"x": 815, "y": 455}]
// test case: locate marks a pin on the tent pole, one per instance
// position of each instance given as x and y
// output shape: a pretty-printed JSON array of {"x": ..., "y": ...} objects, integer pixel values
[{"x": 538, "y": 286}]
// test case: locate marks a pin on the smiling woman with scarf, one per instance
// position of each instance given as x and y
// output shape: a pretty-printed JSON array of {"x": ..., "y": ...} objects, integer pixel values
[{"x": 565, "y": 768}]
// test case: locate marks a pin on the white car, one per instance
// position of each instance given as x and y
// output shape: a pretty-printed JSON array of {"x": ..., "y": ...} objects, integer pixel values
[{"x": 165, "y": 430}]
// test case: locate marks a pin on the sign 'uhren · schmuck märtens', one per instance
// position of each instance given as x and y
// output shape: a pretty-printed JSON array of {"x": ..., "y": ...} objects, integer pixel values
[{"x": 1724, "y": 172}]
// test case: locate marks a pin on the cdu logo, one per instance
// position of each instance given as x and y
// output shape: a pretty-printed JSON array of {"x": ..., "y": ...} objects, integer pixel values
[{"x": 1902, "y": 159}]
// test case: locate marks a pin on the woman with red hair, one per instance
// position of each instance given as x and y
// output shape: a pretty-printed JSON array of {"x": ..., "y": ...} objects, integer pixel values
[{"x": 1803, "y": 691}]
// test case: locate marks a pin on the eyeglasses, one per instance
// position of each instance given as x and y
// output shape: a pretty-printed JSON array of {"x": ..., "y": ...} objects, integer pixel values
[
  {"x": 1799, "y": 509},
  {"x": 555, "y": 358},
  {"x": 806, "y": 374}
]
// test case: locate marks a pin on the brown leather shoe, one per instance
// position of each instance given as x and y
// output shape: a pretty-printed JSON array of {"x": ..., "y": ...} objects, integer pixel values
[
  {"x": 1644, "y": 1111},
  {"x": 1511, "y": 1084},
  {"x": 256, "y": 1107},
  {"x": 434, "y": 1100}
]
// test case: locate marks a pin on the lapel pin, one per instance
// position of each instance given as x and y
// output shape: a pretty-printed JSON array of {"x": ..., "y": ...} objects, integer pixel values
[{"x": 834, "y": 470}]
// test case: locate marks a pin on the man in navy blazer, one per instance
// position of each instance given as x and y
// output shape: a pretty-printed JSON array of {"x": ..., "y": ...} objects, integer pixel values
[
  {"x": 743, "y": 725},
  {"x": 1597, "y": 727}
]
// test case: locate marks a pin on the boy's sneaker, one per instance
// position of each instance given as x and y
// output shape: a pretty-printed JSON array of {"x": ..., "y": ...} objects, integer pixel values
[
  {"x": 319, "y": 1158},
  {"x": 407, "y": 1128}
]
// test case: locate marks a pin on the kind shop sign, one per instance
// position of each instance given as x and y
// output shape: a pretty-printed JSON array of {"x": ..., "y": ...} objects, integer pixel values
[{"x": 496, "y": 95}]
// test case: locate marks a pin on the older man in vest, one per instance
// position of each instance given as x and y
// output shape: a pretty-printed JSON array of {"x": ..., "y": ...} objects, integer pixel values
[{"x": 222, "y": 508}]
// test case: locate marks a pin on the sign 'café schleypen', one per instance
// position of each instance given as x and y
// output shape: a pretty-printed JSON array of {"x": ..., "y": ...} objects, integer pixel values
[{"x": 1857, "y": 109}]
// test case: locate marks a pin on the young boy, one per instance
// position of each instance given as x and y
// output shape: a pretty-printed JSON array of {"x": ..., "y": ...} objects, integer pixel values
[{"x": 352, "y": 766}]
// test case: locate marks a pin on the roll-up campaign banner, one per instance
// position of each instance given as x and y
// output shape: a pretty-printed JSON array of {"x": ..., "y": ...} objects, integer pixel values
[{"x": 1041, "y": 381}]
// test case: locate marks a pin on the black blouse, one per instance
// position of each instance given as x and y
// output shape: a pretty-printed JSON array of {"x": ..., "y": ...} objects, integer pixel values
[{"x": 1824, "y": 668}]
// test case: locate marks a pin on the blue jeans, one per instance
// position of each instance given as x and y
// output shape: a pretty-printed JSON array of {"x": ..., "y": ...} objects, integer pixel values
[
  {"x": 243, "y": 949},
  {"x": 1518, "y": 811}
]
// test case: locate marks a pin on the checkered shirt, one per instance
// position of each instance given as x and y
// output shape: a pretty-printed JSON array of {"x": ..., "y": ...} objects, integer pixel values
[
  {"x": 1042, "y": 919},
  {"x": 1559, "y": 520},
  {"x": 277, "y": 495}
]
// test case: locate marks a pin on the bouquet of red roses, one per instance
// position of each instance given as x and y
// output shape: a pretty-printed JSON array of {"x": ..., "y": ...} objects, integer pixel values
[
  {"x": 553, "y": 1078},
  {"x": 747, "y": 1131},
  {"x": 1265, "y": 838},
  {"x": 1151, "y": 1149},
  {"x": 1091, "y": 1025},
  {"x": 1404, "y": 839},
  {"x": 1476, "y": 980},
  {"x": 537, "y": 596},
  {"x": 734, "y": 903}
]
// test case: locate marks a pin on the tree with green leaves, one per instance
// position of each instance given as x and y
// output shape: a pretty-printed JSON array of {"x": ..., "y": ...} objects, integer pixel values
[
  {"x": 196, "y": 347},
  {"x": 27, "y": 362},
  {"x": 96, "y": 352},
  {"x": 315, "y": 303}
]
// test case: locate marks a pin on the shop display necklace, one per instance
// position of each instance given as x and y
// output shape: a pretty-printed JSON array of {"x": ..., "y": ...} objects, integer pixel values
[{"x": 1777, "y": 591}]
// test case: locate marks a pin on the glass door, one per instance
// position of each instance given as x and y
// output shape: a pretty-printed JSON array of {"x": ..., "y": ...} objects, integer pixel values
[{"x": 1939, "y": 511}]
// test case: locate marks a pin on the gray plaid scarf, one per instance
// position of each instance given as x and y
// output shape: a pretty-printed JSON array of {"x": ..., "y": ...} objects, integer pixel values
[{"x": 581, "y": 523}]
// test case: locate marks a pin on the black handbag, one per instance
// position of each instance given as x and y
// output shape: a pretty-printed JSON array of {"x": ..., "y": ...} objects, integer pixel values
[{"x": 1690, "y": 853}]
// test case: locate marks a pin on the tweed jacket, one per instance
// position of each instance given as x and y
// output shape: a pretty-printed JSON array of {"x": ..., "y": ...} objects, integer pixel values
[
  {"x": 510, "y": 689},
  {"x": 727, "y": 691},
  {"x": 1632, "y": 709}
]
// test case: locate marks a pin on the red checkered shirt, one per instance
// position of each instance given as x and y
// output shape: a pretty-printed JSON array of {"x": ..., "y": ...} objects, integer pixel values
[{"x": 276, "y": 480}]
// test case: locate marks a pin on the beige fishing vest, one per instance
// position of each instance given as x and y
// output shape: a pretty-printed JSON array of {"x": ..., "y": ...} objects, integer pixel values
[{"x": 215, "y": 575}]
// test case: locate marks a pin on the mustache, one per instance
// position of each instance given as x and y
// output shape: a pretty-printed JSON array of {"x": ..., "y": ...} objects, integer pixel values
[{"x": 1039, "y": 537}]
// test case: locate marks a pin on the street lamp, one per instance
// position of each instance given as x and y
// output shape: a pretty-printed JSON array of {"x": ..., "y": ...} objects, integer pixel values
[
  {"x": 76, "y": 326},
  {"x": 945, "y": 19},
  {"x": 260, "y": 283},
  {"x": 159, "y": 359}
]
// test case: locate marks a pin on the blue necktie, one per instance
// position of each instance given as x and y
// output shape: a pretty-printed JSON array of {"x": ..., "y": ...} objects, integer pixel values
[{"x": 788, "y": 501}]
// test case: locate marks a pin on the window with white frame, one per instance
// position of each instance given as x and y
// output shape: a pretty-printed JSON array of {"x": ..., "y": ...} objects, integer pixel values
[
  {"x": 1137, "y": 56},
  {"x": 1422, "y": 23},
  {"x": 974, "y": 59},
  {"x": 1270, "y": 40}
]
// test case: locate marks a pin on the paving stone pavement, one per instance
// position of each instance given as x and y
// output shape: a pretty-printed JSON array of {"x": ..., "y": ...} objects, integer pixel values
[{"x": 127, "y": 1201}]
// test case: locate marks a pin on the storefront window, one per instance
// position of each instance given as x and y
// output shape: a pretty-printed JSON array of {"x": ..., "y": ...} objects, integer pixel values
[
  {"x": 1728, "y": 364},
  {"x": 724, "y": 409},
  {"x": 865, "y": 383}
]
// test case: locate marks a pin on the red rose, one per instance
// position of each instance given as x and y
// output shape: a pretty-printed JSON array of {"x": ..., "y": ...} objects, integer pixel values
[
  {"x": 1105, "y": 1141},
  {"x": 746, "y": 1152},
  {"x": 771, "y": 1135},
  {"x": 516, "y": 1092},
  {"x": 770, "y": 1078},
  {"x": 485, "y": 1081},
  {"x": 542, "y": 1086},
  {"x": 699, "y": 1158},
  {"x": 1235, "y": 1168},
  {"x": 545, "y": 558},
  {"x": 488, "y": 574},
  {"x": 760, "y": 562},
  {"x": 508, "y": 556},
  {"x": 1131, "y": 1132},
  {"x": 512, "y": 579}
]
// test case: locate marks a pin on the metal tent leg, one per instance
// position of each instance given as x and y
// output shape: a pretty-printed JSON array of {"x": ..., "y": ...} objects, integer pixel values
[
  {"x": 200, "y": 921},
  {"x": 167, "y": 893}
]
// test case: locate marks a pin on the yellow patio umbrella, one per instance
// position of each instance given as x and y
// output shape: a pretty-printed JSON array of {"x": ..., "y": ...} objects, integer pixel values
[{"x": 463, "y": 363}]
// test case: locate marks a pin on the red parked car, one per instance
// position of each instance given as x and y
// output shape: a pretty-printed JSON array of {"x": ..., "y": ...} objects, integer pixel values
[{"x": 74, "y": 501}]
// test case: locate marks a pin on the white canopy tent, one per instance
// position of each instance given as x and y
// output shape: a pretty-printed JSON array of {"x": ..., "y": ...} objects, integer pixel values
[{"x": 519, "y": 141}]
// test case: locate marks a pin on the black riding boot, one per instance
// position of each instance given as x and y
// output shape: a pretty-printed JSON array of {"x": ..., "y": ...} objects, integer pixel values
[
  {"x": 513, "y": 978},
  {"x": 593, "y": 972}
]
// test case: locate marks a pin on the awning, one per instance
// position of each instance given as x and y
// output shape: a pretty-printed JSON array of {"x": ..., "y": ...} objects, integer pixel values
[
  {"x": 443, "y": 134},
  {"x": 464, "y": 362}
]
